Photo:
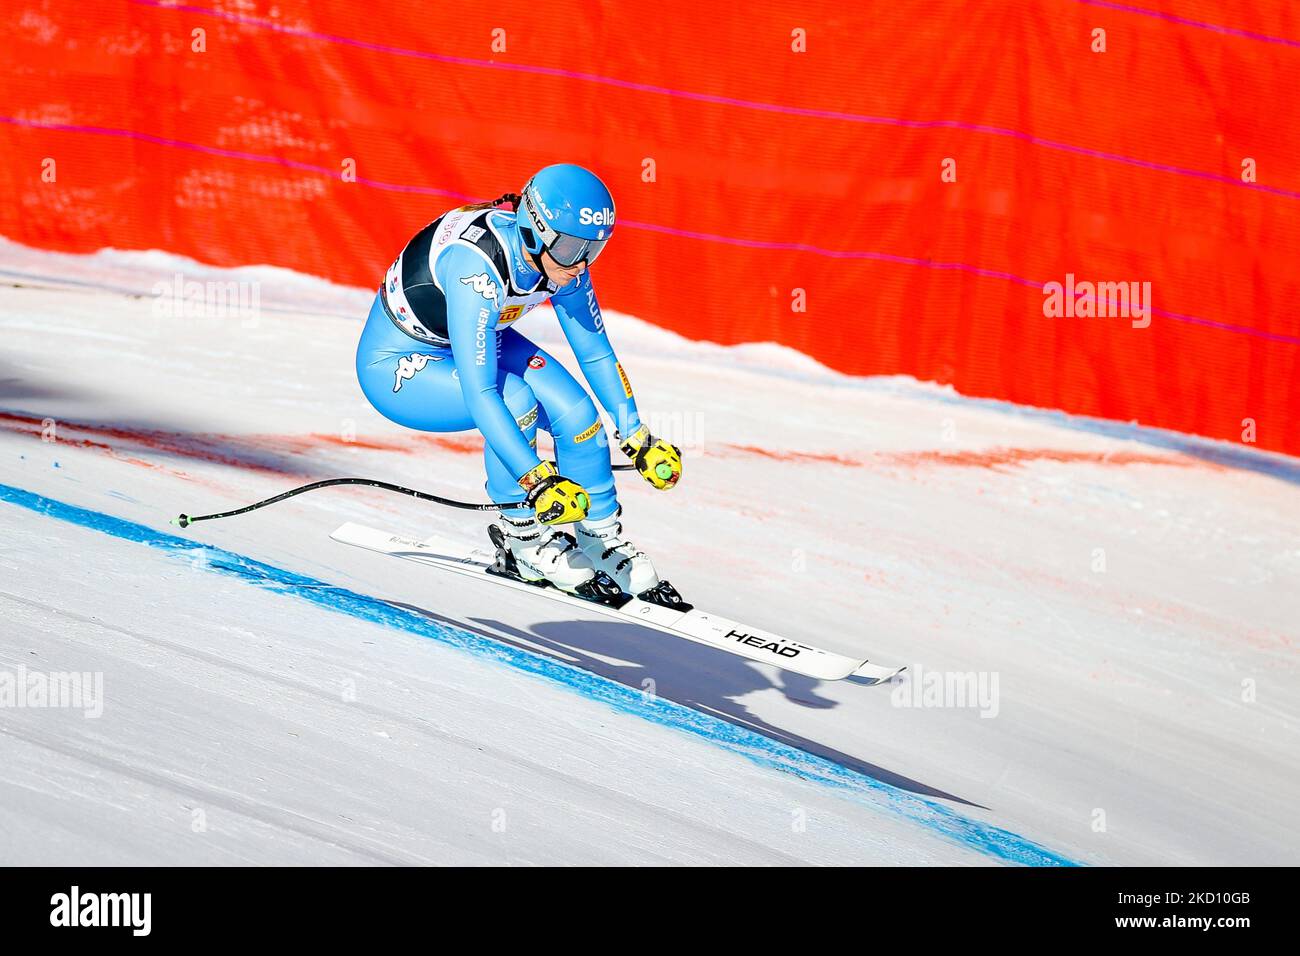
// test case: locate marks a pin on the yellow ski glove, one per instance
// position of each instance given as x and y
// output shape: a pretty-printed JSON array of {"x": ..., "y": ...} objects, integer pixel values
[
  {"x": 556, "y": 499},
  {"x": 659, "y": 462}
]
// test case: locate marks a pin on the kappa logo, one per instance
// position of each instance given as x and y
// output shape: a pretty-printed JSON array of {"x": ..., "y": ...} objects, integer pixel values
[
  {"x": 408, "y": 365},
  {"x": 537, "y": 361},
  {"x": 595, "y": 217},
  {"x": 483, "y": 285}
]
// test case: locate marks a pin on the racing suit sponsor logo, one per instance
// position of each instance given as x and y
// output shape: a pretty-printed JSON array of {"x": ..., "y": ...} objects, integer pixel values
[
  {"x": 483, "y": 285},
  {"x": 408, "y": 365},
  {"x": 594, "y": 308},
  {"x": 509, "y": 314},
  {"x": 528, "y": 418},
  {"x": 537, "y": 361},
  {"x": 480, "y": 337},
  {"x": 588, "y": 433},
  {"x": 450, "y": 223},
  {"x": 627, "y": 386}
]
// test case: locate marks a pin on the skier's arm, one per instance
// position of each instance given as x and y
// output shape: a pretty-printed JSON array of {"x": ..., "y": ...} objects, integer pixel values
[
  {"x": 584, "y": 327},
  {"x": 658, "y": 462},
  {"x": 473, "y": 292}
]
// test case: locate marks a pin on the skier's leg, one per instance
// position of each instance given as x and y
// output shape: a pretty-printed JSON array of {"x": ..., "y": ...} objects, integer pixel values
[
  {"x": 582, "y": 453},
  {"x": 408, "y": 382},
  {"x": 538, "y": 552},
  {"x": 567, "y": 412},
  {"x": 418, "y": 387},
  {"x": 522, "y": 403}
]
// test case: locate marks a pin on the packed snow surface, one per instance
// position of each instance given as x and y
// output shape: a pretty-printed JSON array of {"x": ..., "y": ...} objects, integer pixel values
[{"x": 1117, "y": 606}]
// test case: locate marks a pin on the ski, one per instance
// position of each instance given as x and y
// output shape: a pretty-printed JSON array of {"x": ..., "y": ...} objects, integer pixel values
[{"x": 712, "y": 630}]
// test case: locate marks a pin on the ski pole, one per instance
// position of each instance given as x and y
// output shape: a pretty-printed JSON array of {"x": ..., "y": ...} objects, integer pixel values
[{"x": 184, "y": 521}]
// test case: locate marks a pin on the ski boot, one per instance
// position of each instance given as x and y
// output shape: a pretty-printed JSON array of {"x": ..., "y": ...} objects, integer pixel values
[
  {"x": 601, "y": 540},
  {"x": 534, "y": 553}
]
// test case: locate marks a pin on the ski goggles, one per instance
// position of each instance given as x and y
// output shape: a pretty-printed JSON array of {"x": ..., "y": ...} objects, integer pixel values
[
  {"x": 565, "y": 249},
  {"x": 570, "y": 250}
]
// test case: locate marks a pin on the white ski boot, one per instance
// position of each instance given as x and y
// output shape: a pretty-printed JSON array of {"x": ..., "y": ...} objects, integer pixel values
[
  {"x": 538, "y": 554},
  {"x": 602, "y": 541}
]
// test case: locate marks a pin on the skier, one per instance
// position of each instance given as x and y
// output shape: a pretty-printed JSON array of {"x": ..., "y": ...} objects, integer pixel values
[{"x": 438, "y": 354}]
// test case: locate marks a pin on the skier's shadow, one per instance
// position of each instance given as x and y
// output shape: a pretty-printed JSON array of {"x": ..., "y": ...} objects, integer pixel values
[{"x": 696, "y": 676}]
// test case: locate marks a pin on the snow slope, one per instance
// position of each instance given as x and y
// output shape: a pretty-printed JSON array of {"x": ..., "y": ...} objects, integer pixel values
[{"x": 272, "y": 696}]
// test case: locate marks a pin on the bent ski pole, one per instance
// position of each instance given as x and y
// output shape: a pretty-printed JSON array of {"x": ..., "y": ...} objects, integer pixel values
[{"x": 185, "y": 521}]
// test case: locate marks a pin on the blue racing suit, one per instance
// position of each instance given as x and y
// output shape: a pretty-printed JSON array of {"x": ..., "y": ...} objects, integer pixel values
[{"x": 438, "y": 354}]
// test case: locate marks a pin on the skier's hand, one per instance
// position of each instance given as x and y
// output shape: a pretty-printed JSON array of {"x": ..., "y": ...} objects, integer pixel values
[
  {"x": 659, "y": 462},
  {"x": 556, "y": 499}
]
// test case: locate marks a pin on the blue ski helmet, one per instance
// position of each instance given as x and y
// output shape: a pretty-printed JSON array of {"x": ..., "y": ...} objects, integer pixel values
[{"x": 567, "y": 211}]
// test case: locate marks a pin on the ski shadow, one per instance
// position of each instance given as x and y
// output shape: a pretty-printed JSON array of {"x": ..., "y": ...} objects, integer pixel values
[{"x": 696, "y": 676}]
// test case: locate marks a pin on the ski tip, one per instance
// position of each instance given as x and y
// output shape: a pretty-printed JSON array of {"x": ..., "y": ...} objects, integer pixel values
[{"x": 871, "y": 674}]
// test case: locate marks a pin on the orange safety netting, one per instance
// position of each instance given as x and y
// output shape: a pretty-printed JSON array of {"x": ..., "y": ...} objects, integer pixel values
[{"x": 796, "y": 197}]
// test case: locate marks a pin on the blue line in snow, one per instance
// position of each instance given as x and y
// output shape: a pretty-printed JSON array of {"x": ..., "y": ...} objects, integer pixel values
[{"x": 978, "y": 836}]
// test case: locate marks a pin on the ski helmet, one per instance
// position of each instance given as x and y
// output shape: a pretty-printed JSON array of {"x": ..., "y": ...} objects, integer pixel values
[{"x": 567, "y": 211}]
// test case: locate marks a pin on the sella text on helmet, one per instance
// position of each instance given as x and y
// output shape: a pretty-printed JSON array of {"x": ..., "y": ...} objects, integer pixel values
[{"x": 592, "y": 217}]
